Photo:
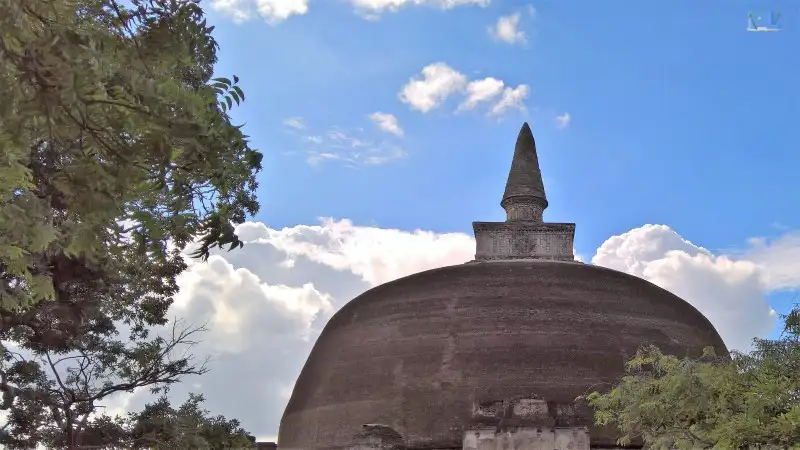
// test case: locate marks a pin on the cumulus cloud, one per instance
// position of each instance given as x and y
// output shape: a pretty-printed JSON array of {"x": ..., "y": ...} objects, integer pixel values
[
  {"x": 432, "y": 87},
  {"x": 387, "y": 122},
  {"x": 272, "y": 11},
  {"x": 437, "y": 82},
  {"x": 481, "y": 91},
  {"x": 781, "y": 259},
  {"x": 276, "y": 11},
  {"x": 237, "y": 10},
  {"x": 376, "y": 255},
  {"x": 563, "y": 121},
  {"x": 507, "y": 30},
  {"x": 512, "y": 99},
  {"x": 371, "y": 8},
  {"x": 266, "y": 303},
  {"x": 728, "y": 289}
]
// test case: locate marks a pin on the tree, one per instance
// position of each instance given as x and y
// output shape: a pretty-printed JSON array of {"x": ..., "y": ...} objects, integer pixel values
[
  {"x": 750, "y": 400},
  {"x": 159, "y": 426},
  {"x": 108, "y": 114},
  {"x": 116, "y": 153}
]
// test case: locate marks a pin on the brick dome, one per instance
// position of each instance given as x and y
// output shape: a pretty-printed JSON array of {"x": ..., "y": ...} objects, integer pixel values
[{"x": 419, "y": 353}]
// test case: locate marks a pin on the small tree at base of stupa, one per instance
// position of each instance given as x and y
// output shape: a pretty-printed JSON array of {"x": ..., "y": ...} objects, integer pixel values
[{"x": 751, "y": 400}]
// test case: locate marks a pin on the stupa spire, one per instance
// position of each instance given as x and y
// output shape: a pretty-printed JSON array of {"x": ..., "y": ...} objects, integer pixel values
[
  {"x": 524, "y": 235},
  {"x": 524, "y": 197}
]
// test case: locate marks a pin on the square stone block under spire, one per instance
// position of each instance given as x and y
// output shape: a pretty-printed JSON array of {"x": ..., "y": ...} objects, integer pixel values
[{"x": 524, "y": 240}]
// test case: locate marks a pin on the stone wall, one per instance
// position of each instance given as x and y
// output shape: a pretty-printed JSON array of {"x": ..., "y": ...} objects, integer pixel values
[
  {"x": 524, "y": 424},
  {"x": 524, "y": 240},
  {"x": 525, "y": 438},
  {"x": 524, "y": 208}
]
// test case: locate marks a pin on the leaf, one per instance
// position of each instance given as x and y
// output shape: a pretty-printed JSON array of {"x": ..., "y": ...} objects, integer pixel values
[
  {"x": 42, "y": 288},
  {"x": 239, "y": 91},
  {"x": 175, "y": 154},
  {"x": 223, "y": 80},
  {"x": 42, "y": 237},
  {"x": 9, "y": 252}
]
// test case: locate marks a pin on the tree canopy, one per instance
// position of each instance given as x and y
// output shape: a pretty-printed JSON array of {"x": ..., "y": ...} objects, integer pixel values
[
  {"x": 750, "y": 400},
  {"x": 108, "y": 114},
  {"x": 117, "y": 151},
  {"x": 160, "y": 426}
]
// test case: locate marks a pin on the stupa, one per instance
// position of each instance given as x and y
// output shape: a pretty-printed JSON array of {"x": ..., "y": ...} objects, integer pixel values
[{"x": 491, "y": 353}]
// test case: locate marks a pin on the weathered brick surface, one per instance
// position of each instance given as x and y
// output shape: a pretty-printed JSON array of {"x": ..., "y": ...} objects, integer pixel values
[{"x": 419, "y": 353}]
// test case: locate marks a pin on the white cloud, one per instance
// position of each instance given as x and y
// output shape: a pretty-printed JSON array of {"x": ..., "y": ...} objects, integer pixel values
[
  {"x": 371, "y": 8},
  {"x": 295, "y": 122},
  {"x": 235, "y": 296},
  {"x": 237, "y": 10},
  {"x": 377, "y": 255},
  {"x": 728, "y": 289},
  {"x": 437, "y": 82},
  {"x": 512, "y": 98},
  {"x": 780, "y": 259},
  {"x": 563, "y": 120},
  {"x": 272, "y": 11},
  {"x": 276, "y": 11},
  {"x": 266, "y": 303},
  {"x": 507, "y": 30},
  {"x": 481, "y": 91},
  {"x": 387, "y": 122}
]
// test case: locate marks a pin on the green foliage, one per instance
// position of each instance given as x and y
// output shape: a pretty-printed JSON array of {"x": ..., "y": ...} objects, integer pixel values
[
  {"x": 160, "y": 426},
  {"x": 116, "y": 151},
  {"x": 750, "y": 400},
  {"x": 106, "y": 114}
]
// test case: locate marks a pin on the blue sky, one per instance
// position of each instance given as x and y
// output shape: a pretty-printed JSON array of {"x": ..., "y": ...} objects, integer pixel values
[
  {"x": 678, "y": 115},
  {"x": 678, "y": 162}
]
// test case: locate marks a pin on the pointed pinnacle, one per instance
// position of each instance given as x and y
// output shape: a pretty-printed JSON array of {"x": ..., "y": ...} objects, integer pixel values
[{"x": 525, "y": 178}]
